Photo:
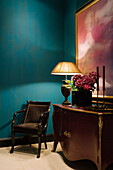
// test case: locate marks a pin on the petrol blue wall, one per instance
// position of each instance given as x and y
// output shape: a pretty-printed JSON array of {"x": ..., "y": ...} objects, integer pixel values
[
  {"x": 31, "y": 44},
  {"x": 34, "y": 36},
  {"x": 69, "y": 24}
]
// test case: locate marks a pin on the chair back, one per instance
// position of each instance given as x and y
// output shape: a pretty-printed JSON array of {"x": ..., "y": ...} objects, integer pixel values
[{"x": 34, "y": 111}]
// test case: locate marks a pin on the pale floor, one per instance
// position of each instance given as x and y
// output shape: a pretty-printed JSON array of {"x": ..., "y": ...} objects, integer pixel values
[{"x": 24, "y": 158}]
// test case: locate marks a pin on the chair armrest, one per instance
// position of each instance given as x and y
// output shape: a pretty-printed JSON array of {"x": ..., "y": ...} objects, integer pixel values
[
  {"x": 44, "y": 119},
  {"x": 40, "y": 128},
  {"x": 15, "y": 114}
]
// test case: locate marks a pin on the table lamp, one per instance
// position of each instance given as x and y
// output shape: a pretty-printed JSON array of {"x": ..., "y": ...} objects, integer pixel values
[{"x": 66, "y": 68}]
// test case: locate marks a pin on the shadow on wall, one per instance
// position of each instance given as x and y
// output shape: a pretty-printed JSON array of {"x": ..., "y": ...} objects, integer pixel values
[
  {"x": 32, "y": 66},
  {"x": 54, "y": 4},
  {"x": 5, "y": 125},
  {"x": 81, "y": 3},
  {"x": 18, "y": 120}
]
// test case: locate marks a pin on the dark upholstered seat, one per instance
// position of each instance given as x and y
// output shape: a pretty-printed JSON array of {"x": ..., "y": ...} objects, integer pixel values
[{"x": 35, "y": 122}]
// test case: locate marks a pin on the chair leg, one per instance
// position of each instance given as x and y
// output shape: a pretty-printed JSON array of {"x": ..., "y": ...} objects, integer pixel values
[
  {"x": 45, "y": 141},
  {"x": 30, "y": 138},
  {"x": 39, "y": 146},
  {"x": 54, "y": 146},
  {"x": 13, "y": 142}
]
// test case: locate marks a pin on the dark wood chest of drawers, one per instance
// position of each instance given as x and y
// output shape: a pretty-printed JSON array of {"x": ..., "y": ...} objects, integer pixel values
[{"x": 84, "y": 134}]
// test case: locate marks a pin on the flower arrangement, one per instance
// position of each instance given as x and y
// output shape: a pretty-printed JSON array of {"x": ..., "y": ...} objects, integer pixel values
[{"x": 83, "y": 82}]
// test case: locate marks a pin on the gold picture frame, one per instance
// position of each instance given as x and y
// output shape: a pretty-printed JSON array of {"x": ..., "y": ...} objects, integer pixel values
[{"x": 94, "y": 40}]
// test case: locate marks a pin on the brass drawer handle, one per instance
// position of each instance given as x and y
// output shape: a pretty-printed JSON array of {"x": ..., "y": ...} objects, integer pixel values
[{"x": 67, "y": 134}]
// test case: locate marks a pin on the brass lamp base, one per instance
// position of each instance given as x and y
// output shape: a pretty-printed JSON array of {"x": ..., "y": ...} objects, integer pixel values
[{"x": 66, "y": 91}]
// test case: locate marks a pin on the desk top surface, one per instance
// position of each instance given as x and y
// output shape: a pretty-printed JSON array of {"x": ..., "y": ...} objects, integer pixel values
[{"x": 89, "y": 109}]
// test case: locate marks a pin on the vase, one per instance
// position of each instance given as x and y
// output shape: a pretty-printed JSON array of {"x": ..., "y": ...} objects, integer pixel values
[
  {"x": 82, "y": 98},
  {"x": 66, "y": 91}
]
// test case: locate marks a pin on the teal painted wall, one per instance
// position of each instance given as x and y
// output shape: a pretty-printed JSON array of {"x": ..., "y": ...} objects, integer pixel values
[
  {"x": 69, "y": 24},
  {"x": 34, "y": 36},
  {"x": 31, "y": 44}
]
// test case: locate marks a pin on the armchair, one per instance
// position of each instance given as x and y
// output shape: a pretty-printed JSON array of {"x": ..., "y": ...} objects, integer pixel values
[{"x": 34, "y": 123}]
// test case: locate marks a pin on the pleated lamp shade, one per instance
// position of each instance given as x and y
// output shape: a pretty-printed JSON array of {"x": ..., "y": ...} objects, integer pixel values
[{"x": 66, "y": 68}]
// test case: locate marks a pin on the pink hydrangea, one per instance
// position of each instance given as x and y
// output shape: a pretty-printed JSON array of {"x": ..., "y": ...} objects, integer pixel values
[
  {"x": 79, "y": 83},
  {"x": 84, "y": 82},
  {"x": 76, "y": 77},
  {"x": 87, "y": 87}
]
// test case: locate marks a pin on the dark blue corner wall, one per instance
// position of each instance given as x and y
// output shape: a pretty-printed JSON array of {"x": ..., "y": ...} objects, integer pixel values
[
  {"x": 32, "y": 36},
  {"x": 31, "y": 44},
  {"x": 69, "y": 24}
]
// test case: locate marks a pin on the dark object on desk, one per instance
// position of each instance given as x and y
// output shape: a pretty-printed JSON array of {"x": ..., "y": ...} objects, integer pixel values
[
  {"x": 106, "y": 104},
  {"x": 35, "y": 122},
  {"x": 82, "y": 98},
  {"x": 84, "y": 134}
]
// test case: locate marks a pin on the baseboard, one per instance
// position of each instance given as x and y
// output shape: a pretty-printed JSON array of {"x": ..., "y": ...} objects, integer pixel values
[{"x": 24, "y": 140}]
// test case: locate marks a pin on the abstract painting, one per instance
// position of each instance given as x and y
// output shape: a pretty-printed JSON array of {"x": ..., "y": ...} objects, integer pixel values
[{"x": 94, "y": 40}]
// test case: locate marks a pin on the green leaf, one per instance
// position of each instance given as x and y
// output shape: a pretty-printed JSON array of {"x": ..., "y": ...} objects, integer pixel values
[{"x": 68, "y": 81}]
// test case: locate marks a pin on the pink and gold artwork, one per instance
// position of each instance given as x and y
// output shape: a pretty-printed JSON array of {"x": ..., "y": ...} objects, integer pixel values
[{"x": 94, "y": 40}]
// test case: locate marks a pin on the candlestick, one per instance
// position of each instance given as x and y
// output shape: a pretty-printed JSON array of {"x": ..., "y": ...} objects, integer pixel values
[
  {"x": 97, "y": 78},
  {"x": 97, "y": 84},
  {"x": 103, "y": 77},
  {"x": 103, "y": 86}
]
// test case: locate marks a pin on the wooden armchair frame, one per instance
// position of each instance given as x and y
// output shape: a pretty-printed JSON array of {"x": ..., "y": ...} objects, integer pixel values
[{"x": 36, "y": 125}]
